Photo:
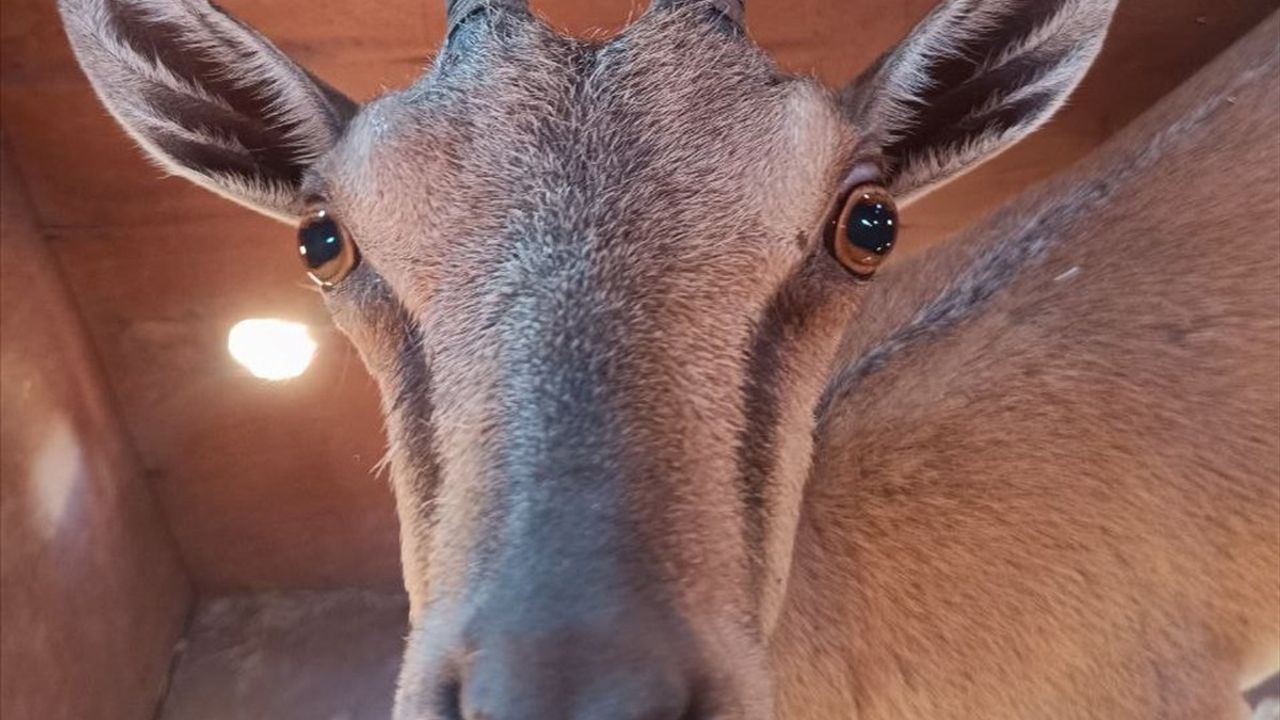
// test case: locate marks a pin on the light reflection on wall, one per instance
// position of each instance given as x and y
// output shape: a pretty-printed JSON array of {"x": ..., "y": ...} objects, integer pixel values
[{"x": 57, "y": 479}]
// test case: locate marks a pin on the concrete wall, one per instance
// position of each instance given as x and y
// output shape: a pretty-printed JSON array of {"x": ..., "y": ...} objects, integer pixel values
[{"x": 92, "y": 594}]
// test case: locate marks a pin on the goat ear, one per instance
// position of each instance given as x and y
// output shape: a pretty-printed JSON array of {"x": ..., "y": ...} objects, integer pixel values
[
  {"x": 207, "y": 96},
  {"x": 973, "y": 78}
]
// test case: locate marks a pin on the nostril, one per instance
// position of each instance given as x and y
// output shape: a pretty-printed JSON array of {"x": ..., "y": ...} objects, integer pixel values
[
  {"x": 591, "y": 695},
  {"x": 450, "y": 702},
  {"x": 631, "y": 663},
  {"x": 696, "y": 710}
]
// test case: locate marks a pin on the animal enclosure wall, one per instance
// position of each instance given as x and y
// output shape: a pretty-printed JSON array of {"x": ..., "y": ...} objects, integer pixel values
[{"x": 94, "y": 596}]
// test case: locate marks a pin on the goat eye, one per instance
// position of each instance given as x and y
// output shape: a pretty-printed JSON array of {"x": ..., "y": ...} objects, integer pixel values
[
  {"x": 327, "y": 252},
  {"x": 866, "y": 230}
]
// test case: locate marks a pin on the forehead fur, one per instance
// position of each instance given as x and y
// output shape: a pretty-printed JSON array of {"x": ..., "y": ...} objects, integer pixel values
[{"x": 678, "y": 134}]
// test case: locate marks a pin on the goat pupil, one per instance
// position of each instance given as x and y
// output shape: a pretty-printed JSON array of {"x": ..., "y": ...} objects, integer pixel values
[
  {"x": 320, "y": 242},
  {"x": 872, "y": 226}
]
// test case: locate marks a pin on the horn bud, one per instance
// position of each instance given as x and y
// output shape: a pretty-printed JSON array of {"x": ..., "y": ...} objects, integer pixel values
[
  {"x": 732, "y": 9},
  {"x": 455, "y": 11}
]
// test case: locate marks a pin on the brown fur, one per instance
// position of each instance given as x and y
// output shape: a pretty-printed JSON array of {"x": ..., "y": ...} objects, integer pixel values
[{"x": 1068, "y": 505}]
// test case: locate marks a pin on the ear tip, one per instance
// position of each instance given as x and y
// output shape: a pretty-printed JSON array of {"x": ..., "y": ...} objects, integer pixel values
[
  {"x": 68, "y": 8},
  {"x": 83, "y": 19},
  {"x": 75, "y": 21},
  {"x": 74, "y": 7}
]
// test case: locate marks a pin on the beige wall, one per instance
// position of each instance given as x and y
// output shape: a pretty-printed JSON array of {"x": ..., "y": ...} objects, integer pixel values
[{"x": 92, "y": 595}]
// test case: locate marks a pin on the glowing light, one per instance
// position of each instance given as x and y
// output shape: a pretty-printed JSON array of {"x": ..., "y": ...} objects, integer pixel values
[{"x": 272, "y": 349}]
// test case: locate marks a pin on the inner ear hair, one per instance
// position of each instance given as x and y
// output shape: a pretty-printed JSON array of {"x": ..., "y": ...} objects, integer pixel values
[
  {"x": 208, "y": 97},
  {"x": 974, "y": 77}
]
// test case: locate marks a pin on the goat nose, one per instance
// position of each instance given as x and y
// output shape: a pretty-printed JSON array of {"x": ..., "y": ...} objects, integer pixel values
[{"x": 626, "y": 672}]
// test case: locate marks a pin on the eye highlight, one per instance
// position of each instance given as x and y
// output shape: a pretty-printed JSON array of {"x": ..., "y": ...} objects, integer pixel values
[
  {"x": 326, "y": 250},
  {"x": 866, "y": 230}
]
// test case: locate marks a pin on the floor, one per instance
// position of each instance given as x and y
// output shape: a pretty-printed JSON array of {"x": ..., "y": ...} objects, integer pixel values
[
  {"x": 295, "y": 656},
  {"x": 323, "y": 656}
]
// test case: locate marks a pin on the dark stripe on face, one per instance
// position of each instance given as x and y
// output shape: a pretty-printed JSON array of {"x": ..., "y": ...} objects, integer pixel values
[
  {"x": 411, "y": 423},
  {"x": 757, "y": 446}
]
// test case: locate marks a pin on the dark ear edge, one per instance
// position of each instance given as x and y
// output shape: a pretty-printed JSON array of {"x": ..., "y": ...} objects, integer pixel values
[
  {"x": 208, "y": 97},
  {"x": 973, "y": 78}
]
